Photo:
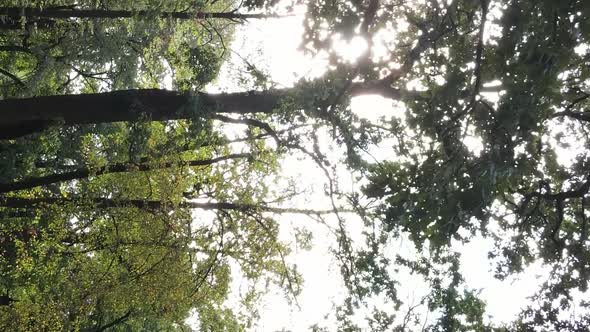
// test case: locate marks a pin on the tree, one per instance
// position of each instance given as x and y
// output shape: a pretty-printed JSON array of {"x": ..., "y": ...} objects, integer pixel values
[
  {"x": 25, "y": 116},
  {"x": 28, "y": 115},
  {"x": 469, "y": 163},
  {"x": 17, "y": 13},
  {"x": 122, "y": 247},
  {"x": 99, "y": 229},
  {"x": 493, "y": 93}
]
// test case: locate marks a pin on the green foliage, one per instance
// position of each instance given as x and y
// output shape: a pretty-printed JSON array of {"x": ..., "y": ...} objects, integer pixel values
[
  {"x": 470, "y": 161},
  {"x": 151, "y": 267},
  {"x": 467, "y": 161},
  {"x": 101, "y": 54}
]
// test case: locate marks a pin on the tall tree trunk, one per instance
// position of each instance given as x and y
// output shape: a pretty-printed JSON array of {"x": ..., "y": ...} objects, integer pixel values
[
  {"x": 85, "y": 172},
  {"x": 19, "y": 117},
  {"x": 149, "y": 205},
  {"x": 14, "y": 13}
]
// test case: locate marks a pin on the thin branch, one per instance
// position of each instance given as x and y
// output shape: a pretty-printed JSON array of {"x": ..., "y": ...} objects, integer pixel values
[
  {"x": 115, "y": 322},
  {"x": 13, "y": 77},
  {"x": 85, "y": 172},
  {"x": 344, "y": 241},
  {"x": 251, "y": 122},
  {"x": 584, "y": 232},
  {"x": 219, "y": 250},
  {"x": 290, "y": 282},
  {"x": 582, "y": 116},
  {"x": 581, "y": 191},
  {"x": 478, "y": 62}
]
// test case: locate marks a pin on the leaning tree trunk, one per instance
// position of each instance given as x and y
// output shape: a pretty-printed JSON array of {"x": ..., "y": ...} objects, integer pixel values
[
  {"x": 15, "y": 13},
  {"x": 19, "y": 117},
  {"x": 150, "y": 205}
]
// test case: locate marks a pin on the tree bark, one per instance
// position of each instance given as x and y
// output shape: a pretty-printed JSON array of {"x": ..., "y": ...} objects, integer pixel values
[
  {"x": 85, "y": 172},
  {"x": 19, "y": 117},
  {"x": 150, "y": 205},
  {"x": 6, "y": 300},
  {"x": 59, "y": 13}
]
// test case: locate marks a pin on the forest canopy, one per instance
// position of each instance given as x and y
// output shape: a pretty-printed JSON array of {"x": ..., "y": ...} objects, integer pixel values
[{"x": 134, "y": 197}]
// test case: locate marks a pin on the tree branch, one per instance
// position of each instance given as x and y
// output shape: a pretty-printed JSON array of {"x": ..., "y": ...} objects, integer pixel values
[
  {"x": 85, "y": 172},
  {"x": 115, "y": 322},
  {"x": 13, "y": 78},
  {"x": 66, "y": 13},
  {"x": 152, "y": 205}
]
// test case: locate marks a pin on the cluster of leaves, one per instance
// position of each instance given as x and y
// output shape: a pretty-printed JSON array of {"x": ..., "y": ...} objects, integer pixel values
[
  {"x": 72, "y": 262},
  {"x": 471, "y": 160},
  {"x": 43, "y": 56}
]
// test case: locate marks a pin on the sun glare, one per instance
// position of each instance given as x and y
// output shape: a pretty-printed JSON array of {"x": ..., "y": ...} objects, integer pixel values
[{"x": 350, "y": 50}]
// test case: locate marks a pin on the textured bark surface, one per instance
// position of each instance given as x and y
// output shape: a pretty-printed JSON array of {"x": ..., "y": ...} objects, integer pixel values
[
  {"x": 19, "y": 117},
  {"x": 61, "y": 13}
]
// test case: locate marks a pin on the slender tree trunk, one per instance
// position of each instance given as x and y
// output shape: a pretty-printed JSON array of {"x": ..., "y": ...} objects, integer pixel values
[
  {"x": 85, "y": 172},
  {"x": 56, "y": 13},
  {"x": 151, "y": 205},
  {"x": 19, "y": 117},
  {"x": 148, "y": 205}
]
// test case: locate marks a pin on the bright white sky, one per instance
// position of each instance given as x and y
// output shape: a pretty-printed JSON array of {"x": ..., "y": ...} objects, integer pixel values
[{"x": 272, "y": 45}]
